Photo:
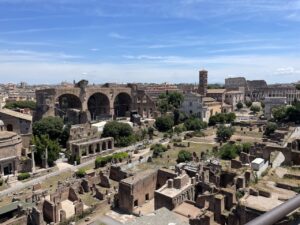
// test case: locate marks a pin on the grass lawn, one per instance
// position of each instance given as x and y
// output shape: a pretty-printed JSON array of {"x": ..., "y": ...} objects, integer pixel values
[
  {"x": 169, "y": 158},
  {"x": 245, "y": 132},
  {"x": 50, "y": 183}
]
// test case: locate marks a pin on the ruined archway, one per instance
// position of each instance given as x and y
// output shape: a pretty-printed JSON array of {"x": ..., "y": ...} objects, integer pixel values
[
  {"x": 68, "y": 106},
  {"x": 122, "y": 104},
  {"x": 98, "y": 106}
]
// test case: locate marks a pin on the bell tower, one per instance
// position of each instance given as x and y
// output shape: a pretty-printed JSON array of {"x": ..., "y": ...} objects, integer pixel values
[{"x": 202, "y": 88}]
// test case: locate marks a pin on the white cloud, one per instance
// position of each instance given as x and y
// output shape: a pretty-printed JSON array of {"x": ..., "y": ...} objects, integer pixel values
[
  {"x": 287, "y": 71},
  {"x": 147, "y": 68},
  {"x": 94, "y": 49},
  {"x": 116, "y": 35},
  {"x": 23, "y": 56}
]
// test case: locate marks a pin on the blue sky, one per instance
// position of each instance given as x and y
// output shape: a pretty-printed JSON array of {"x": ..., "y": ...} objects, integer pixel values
[{"x": 48, "y": 41}]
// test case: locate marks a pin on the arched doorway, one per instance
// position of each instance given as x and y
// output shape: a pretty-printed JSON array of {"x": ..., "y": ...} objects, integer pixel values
[
  {"x": 122, "y": 104},
  {"x": 98, "y": 106}
]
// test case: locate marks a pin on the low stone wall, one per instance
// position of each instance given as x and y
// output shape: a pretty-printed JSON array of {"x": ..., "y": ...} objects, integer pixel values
[
  {"x": 84, "y": 159},
  {"x": 117, "y": 174},
  {"x": 292, "y": 176},
  {"x": 25, "y": 165},
  {"x": 17, "y": 221}
]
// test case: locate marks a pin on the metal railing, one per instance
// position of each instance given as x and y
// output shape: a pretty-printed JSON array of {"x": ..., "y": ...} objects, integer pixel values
[{"x": 279, "y": 212}]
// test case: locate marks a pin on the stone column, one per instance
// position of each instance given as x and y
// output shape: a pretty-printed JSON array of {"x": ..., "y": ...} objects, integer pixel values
[
  {"x": 46, "y": 157},
  {"x": 32, "y": 157},
  {"x": 95, "y": 148}
]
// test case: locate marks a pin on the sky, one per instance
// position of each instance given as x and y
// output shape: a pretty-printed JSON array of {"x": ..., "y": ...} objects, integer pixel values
[{"x": 49, "y": 41}]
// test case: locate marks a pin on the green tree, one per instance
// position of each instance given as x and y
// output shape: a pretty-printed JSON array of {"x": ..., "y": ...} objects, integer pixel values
[
  {"x": 158, "y": 149},
  {"x": 239, "y": 105},
  {"x": 175, "y": 99},
  {"x": 298, "y": 86},
  {"x": 293, "y": 113},
  {"x": 21, "y": 105},
  {"x": 224, "y": 133},
  {"x": 163, "y": 106},
  {"x": 230, "y": 117},
  {"x": 184, "y": 156},
  {"x": 42, "y": 142},
  {"x": 246, "y": 147},
  {"x": 169, "y": 101},
  {"x": 279, "y": 113},
  {"x": 54, "y": 128},
  {"x": 51, "y": 126},
  {"x": 222, "y": 118},
  {"x": 229, "y": 151},
  {"x": 195, "y": 124},
  {"x": 121, "y": 132},
  {"x": 270, "y": 128},
  {"x": 164, "y": 123},
  {"x": 255, "y": 109},
  {"x": 176, "y": 116},
  {"x": 81, "y": 172},
  {"x": 150, "y": 132},
  {"x": 248, "y": 104}
]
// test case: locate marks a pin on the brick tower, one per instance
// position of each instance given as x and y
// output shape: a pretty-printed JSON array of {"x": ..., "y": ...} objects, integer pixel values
[{"x": 202, "y": 88}]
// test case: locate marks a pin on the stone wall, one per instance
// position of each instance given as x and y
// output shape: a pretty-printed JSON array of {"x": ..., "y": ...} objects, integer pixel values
[
  {"x": 136, "y": 190},
  {"x": 163, "y": 175},
  {"x": 18, "y": 125},
  {"x": 117, "y": 174}
]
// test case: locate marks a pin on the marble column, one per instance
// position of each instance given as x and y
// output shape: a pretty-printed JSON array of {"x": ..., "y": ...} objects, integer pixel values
[{"x": 32, "y": 157}]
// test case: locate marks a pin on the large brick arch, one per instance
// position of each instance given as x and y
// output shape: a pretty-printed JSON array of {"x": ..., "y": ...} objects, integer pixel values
[
  {"x": 98, "y": 105},
  {"x": 122, "y": 104},
  {"x": 47, "y": 100}
]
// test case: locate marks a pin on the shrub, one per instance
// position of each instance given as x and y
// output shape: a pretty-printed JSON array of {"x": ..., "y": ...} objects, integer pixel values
[
  {"x": 229, "y": 151},
  {"x": 179, "y": 129},
  {"x": 199, "y": 134},
  {"x": 120, "y": 156},
  {"x": 158, "y": 149},
  {"x": 188, "y": 135},
  {"x": 255, "y": 108},
  {"x": 239, "y": 105},
  {"x": 164, "y": 123},
  {"x": 121, "y": 132},
  {"x": 195, "y": 124},
  {"x": 102, "y": 161},
  {"x": 23, "y": 176},
  {"x": 184, "y": 156},
  {"x": 80, "y": 173},
  {"x": 222, "y": 118},
  {"x": 21, "y": 104},
  {"x": 1, "y": 181},
  {"x": 248, "y": 104},
  {"x": 246, "y": 147},
  {"x": 270, "y": 128},
  {"x": 224, "y": 133}
]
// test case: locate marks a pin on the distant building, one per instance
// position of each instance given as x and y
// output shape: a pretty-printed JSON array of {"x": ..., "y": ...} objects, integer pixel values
[
  {"x": 192, "y": 105},
  {"x": 16, "y": 122},
  {"x": 202, "y": 82},
  {"x": 258, "y": 90},
  {"x": 10, "y": 152}
]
